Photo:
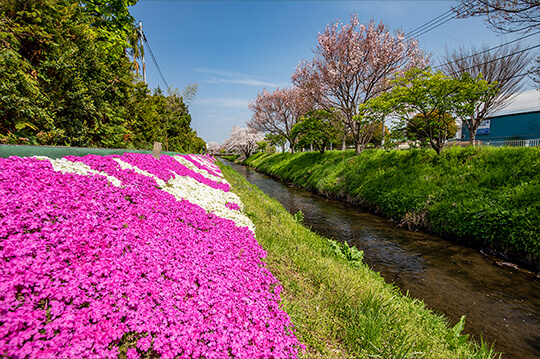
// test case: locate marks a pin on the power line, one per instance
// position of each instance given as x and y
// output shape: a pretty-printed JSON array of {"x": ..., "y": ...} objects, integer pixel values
[
  {"x": 487, "y": 50},
  {"x": 514, "y": 76},
  {"x": 420, "y": 28},
  {"x": 432, "y": 24},
  {"x": 157, "y": 66}
]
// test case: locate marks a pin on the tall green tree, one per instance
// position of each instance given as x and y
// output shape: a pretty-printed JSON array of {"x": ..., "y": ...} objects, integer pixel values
[
  {"x": 66, "y": 79},
  {"x": 165, "y": 119},
  {"x": 419, "y": 128},
  {"x": 58, "y": 85},
  {"x": 426, "y": 100},
  {"x": 112, "y": 22},
  {"x": 318, "y": 128}
]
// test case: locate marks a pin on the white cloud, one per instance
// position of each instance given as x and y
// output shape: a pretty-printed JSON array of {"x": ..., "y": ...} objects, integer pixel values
[
  {"x": 223, "y": 102},
  {"x": 225, "y": 77},
  {"x": 243, "y": 81}
]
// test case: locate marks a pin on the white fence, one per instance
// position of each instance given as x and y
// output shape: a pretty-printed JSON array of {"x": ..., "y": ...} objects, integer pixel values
[{"x": 512, "y": 143}]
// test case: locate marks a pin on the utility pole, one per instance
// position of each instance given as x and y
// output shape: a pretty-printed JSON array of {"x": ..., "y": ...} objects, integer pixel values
[{"x": 141, "y": 38}]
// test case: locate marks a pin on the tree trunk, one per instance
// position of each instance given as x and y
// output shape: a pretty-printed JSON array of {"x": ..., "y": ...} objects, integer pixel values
[
  {"x": 472, "y": 135},
  {"x": 437, "y": 146},
  {"x": 343, "y": 142},
  {"x": 358, "y": 148},
  {"x": 357, "y": 140}
]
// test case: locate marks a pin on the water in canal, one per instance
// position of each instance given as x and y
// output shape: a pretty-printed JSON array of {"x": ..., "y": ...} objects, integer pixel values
[{"x": 501, "y": 304}]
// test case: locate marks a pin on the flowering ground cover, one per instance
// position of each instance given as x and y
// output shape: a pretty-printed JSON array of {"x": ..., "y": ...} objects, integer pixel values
[{"x": 129, "y": 256}]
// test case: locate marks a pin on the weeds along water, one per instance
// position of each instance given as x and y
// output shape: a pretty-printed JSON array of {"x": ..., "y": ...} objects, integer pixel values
[
  {"x": 338, "y": 306},
  {"x": 487, "y": 197}
]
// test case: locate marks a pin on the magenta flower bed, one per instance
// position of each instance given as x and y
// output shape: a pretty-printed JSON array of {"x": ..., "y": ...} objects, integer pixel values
[{"x": 93, "y": 270}]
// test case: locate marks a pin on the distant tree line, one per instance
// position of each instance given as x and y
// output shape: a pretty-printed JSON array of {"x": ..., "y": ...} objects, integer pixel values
[
  {"x": 365, "y": 74},
  {"x": 67, "y": 79}
]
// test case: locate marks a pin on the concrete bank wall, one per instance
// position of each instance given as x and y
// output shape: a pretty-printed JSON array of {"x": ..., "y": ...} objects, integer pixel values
[{"x": 60, "y": 151}]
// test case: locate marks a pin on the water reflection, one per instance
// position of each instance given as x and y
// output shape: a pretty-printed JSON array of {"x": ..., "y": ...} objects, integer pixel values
[{"x": 502, "y": 305}]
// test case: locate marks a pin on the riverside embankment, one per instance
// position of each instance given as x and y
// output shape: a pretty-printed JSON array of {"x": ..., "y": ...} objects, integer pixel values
[
  {"x": 501, "y": 304},
  {"x": 488, "y": 198},
  {"x": 340, "y": 308}
]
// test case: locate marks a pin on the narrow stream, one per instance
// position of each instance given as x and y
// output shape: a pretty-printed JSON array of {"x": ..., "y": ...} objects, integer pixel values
[{"x": 501, "y": 304}]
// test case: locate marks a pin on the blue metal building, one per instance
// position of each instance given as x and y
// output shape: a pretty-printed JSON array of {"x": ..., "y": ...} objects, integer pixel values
[{"x": 518, "y": 126}]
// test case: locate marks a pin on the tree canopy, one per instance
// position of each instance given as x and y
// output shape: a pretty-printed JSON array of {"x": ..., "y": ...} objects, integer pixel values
[
  {"x": 66, "y": 79},
  {"x": 427, "y": 102},
  {"x": 277, "y": 112},
  {"x": 354, "y": 63},
  {"x": 318, "y": 128}
]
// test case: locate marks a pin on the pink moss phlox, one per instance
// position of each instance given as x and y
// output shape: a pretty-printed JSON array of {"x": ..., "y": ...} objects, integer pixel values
[
  {"x": 162, "y": 169},
  {"x": 233, "y": 206},
  {"x": 85, "y": 263},
  {"x": 206, "y": 163}
]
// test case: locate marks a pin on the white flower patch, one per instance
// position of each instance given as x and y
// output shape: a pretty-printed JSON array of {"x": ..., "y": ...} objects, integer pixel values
[
  {"x": 211, "y": 199},
  {"x": 125, "y": 165},
  {"x": 200, "y": 171},
  {"x": 181, "y": 187},
  {"x": 205, "y": 162},
  {"x": 66, "y": 166}
]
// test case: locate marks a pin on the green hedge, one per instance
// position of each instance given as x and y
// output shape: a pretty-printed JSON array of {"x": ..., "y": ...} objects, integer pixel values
[{"x": 489, "y": 197}]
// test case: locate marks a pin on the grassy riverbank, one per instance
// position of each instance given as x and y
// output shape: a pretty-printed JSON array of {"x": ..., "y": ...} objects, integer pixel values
[
  {"x": 488, "y": 197},
  {"x": 340, "y": 308}
]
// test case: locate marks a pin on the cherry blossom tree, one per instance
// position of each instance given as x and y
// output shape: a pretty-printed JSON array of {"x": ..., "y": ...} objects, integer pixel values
[
  {"x": 213, "y": 147},
  {"x": 277, "y": 112},
  {"x": 354, "y": 63},
  {"x": 243, "y": 140}
]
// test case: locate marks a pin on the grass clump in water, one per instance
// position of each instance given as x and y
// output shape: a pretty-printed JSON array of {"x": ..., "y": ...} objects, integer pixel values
[{"x": 339, "y": 307}]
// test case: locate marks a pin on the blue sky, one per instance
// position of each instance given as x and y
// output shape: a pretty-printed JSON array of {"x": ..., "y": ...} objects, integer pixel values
[{"x": 234, "y": 49}]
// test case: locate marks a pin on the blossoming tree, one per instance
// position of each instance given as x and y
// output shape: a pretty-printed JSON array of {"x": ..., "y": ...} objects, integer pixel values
[
  {"x": 243, "y": 140},
  {"x": 277, "y": 112},
  {"x": 213, "y": 147},
  {"x": 353, "y": 64}
]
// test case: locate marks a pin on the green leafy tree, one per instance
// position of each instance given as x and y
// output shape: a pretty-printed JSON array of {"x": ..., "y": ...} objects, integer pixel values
[
  {"x": 66, "y": 79},
  {"x": 420, "y": 128},
  {"x": 319, "y": 128},
  {"x": 475, "y": 101},
  {"x": 425, "y": 101},
  {"x": 276, "y": 140},
  {"x": 136, "y": 49},
  {"x": 165, "y": 119},
  {"x": 371, "y": 116},
  {"x": 58, "y": 86},
  {"x": 262, "y": 146},
  {"x": 112, "y": 22}
]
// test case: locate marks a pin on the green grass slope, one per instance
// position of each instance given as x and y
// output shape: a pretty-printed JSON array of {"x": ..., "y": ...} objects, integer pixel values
[
  {"x": 488, "y": 197},
  {"x": 339, "y": 307}
]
